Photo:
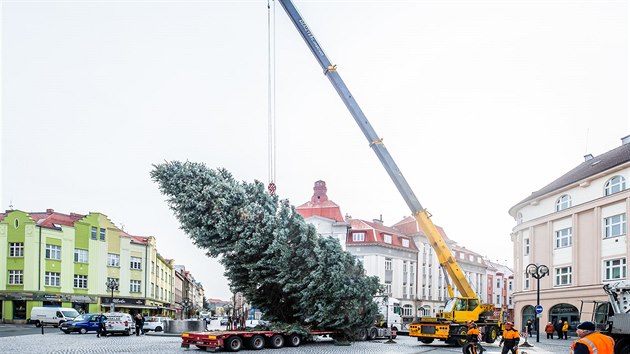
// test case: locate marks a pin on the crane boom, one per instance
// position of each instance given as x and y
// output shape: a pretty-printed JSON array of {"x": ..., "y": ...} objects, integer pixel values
[{"x": 422, "y": 217}]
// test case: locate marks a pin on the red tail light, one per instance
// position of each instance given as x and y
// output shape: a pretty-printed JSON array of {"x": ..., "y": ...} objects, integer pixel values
[{"x": 126, "y": 323}]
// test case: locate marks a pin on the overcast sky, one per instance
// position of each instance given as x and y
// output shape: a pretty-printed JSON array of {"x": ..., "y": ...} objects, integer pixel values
[{"x": 479, "y": 102}]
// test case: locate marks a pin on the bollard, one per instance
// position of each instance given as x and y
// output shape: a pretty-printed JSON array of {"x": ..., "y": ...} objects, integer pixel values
[{"x": 42, "y": 328}]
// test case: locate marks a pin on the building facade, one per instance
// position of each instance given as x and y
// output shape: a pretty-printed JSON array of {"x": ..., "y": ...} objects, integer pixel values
[
  {"x": 576, "y": 227},
  {"x": 81, "y": 261}
]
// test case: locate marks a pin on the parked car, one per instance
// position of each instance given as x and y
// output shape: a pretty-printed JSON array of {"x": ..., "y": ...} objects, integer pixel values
[
  {"x": 52, "y": 315},
  {"x": 154, "y": 323},
  {"x": 82, "y": 324},
  {"x": 119, "y": 322},
  {"x": 224, "y": 322}
]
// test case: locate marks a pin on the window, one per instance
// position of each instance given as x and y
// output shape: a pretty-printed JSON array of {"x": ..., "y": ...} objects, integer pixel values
[
  {"x": 563, "y": 238},
  {"x": 53, "y": 251},
  {"x": 16, "y": 249},
  {"x": 135, "y": 286},
  {"x": 388, "y": 264},
  {"x": 358, "y": 236},
  {"x": 614, "y": 185},
  {"x": 102, "y": 234},
  {"x": 388, "y": 288},
  {"x": 80, "y": 256},
  {"x": 405, "y": 242},
  {"x": 564, "y": 202},
  {"x": 526, "y": 246},
  {"x": 615, "y": 226},
  {"x": 15, "y": 277},
  {"x": 563, "y": 276},
  {"x": 499, "y": 283},
  {"x": 615, "y": 269},
  {"x": 80, "y": 281},
  {"x": 387, "y": 238},
  {"x": 136, "y": 263},
  {"x": 498, "y": 300},
  {"x": 52, "y": 279},
  {"x": 93, "y": 232},
  {"x": 113, "y": 260},
  {"x": 526, "y": 283}
]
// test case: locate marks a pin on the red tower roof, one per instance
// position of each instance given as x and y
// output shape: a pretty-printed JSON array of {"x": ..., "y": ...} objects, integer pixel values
[{"x": 320, "y": 205}]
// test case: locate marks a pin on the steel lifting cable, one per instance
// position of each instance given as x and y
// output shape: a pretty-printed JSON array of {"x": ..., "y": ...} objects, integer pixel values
[{"x": 271, "y": 94}]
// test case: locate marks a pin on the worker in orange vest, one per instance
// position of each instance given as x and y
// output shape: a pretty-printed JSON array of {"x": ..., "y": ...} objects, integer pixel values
[{"x": 590, "y": 341}]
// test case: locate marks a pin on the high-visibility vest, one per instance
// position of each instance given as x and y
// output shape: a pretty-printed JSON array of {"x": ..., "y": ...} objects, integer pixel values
[
  {"x": 596, "y": 343},
  {"x": 510, "y": 336},
  {"x": 473, "y": 334}
]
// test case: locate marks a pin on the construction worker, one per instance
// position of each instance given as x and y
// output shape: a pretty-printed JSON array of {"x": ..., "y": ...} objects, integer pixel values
[
  {"x": 591, "y": 342},
  {"x": 473, "y": 338},
  {"x": 509, "y": 338}
]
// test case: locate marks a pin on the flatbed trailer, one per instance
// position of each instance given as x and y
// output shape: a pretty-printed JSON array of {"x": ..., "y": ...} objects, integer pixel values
[{"x": 236, "y": 340}]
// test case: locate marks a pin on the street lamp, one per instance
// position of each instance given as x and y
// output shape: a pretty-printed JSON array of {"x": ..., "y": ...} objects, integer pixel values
[
  {"x": 186, "y": 304},
  {"x": 537, "y": 271},
  {"x": 112, "y": 284}
]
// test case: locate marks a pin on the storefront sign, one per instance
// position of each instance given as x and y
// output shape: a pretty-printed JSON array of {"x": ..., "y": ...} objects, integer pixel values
[{"x": 122, "y": 301}]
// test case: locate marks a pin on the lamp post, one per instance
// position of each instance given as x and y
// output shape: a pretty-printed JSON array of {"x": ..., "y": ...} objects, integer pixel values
[
  {"x": 112, "y": 284},
  {"x": 186, "y": 304},
  {"x": 537, "y": 271}
]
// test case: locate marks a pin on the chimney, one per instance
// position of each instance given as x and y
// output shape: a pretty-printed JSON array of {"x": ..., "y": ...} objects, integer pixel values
[
  {"x": 50, "y": 211},
  {"x": 588, "y": 157},
  {"x": 625, "y": 140}
]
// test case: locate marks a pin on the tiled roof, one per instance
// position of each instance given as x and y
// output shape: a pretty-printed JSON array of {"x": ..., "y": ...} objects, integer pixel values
[
  {"x": 586, "y": 169},
  {"x": 319, "y": 205},
  {"x": 52, "y": 219},
  {"x": 409, "y": 226},
  {"x": 374, "y": 234}
]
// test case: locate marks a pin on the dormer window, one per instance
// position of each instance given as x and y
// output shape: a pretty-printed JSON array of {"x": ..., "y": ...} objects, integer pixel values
[
  {"x": 405, "y": 242},
  {"x": 614, "y": 185},
  {"x": 563, "y": 202},
  {"x": 387, "y": 238},
  {"x": 358, "y": 237}
]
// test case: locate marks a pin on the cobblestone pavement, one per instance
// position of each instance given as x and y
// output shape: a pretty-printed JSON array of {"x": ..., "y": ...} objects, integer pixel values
[{"x": 60, "y": 343}]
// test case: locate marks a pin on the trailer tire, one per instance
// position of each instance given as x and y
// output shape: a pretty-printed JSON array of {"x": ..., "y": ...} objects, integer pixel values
[
  {"x": 373, "y": 333},
  {"x": 234, "y": 343},
  {"x": 294, "y": 340},
  {"x": 276, "y": 341},
  {"x": 491, "y": 334},
  {"x": 257, "y": 342},
  {"x": 361, "y": 335}
]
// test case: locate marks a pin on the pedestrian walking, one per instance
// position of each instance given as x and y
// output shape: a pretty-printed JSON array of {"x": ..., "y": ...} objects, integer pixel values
[
  {"x": 100, "y": 330},
  {"x": 509, "y": 339},
  {"x": 589, "y": 341},
  {"x": 528, "y": 327},
  {"x": 549, "y": 330},
  {"x": 139, "y": 320},
  {"x": 565, "y": 329}
]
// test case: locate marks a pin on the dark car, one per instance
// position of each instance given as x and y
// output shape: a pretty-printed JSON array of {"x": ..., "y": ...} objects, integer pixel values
[{"x": 82, "y": 324}]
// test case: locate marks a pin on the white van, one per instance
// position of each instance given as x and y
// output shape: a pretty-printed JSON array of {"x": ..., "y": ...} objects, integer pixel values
[
  {"x": 52, "y": 315},
  {"x": 119, "y": 322}
]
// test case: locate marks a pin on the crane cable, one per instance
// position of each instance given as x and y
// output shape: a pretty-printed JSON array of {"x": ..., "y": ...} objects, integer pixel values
[{"x": 271, "y": 95}]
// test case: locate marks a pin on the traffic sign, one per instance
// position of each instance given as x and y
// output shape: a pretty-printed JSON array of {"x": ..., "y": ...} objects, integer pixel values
[{"x": 539, "y": 309}]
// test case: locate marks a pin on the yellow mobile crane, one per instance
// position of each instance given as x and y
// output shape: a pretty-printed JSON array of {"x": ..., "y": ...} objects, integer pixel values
[{"x": 449, "y": 325}]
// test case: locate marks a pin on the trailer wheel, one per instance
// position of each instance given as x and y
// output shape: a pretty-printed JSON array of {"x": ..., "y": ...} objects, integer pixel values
[
  {"x": 491, "y": 334},
  {"x": 361, "y": 335},
  {"x": 257, "y": 342},
  {"x": 294, "y": 340},
  {"x": 234, "y": 344},
  {"x": 276, "y": 341},
  {"x": 373, "y": 333},
  {"x": 426, "y": 340},
  {"x": 38, "y": 324}
]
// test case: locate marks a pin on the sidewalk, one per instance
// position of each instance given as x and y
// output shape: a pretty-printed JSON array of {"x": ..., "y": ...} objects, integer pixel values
[{"x": 547, "y": 345}]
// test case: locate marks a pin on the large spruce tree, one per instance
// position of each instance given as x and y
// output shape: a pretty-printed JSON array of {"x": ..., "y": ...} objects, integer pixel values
[{"x": 270, "y": 254}]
